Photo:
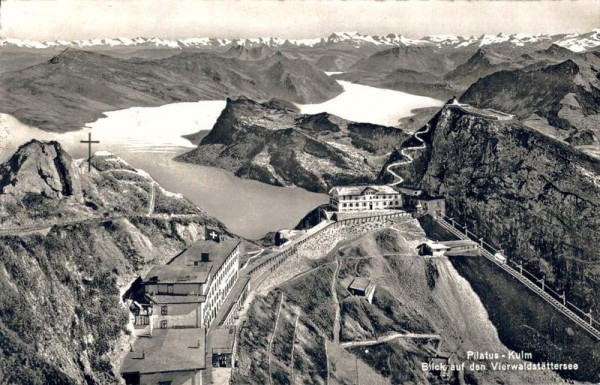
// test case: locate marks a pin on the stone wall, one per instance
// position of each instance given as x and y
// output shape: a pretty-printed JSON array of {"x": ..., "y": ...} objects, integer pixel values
[{"x": 322, "y": 242}]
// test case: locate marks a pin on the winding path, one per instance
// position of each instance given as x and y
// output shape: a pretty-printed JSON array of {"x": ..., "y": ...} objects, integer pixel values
[
  {"x": 388, "y": 338},
  {"x": 422, "y": 146},
  {"x": 270, "y": 348}
]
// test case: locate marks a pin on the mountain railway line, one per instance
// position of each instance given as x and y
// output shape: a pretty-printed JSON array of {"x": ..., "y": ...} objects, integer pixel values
[{"x": 587, "y": 326}]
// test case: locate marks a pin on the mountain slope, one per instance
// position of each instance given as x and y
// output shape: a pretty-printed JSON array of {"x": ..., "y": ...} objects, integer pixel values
[
  {"x": 424, "y": 296},
  {"x": 273, "y": 143},
  {"x": 71, "y": 242},
  {"x": 535, "y": 197},
  {"x": 566, "y": 94},
  {"x": 75, "y": 87}
]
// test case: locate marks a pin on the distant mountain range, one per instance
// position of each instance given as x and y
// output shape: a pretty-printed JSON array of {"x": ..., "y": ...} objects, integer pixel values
[
  {"x": 575, "y": 41},
  {"x": 75, "y": 87}
]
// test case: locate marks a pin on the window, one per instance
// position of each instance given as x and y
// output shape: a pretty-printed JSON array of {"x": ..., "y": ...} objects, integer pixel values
[
  {"x": 164, "y": 382},
  {"x": 163, "y": 324},
  {"x": 164, "y": 310}
]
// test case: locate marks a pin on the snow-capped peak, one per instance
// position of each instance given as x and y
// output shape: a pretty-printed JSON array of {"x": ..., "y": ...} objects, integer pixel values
[
  {"x": 580, "y": 43},
  {"x": 575, "y": 41}
]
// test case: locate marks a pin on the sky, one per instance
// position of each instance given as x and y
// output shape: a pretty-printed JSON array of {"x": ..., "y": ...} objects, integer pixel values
[{"x": 84, "y": 19}]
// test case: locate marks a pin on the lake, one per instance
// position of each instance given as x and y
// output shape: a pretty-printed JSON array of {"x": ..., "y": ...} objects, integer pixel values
[{"x": 150, "y": 137}]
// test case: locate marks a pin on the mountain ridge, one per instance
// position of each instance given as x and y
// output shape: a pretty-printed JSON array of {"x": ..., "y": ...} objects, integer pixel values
[
  {"x": 576, "y": 42},
  {"x": 76, "y": 87},
  {"x": 275, "y": 144}
]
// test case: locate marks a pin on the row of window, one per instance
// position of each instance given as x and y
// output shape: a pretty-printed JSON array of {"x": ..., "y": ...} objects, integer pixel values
[
  {"x": 358, "y": 198},
  {"x": 233, "y": 258},
  {"x": 211, "y": 305},
  {"x": 364, "y": 204}
]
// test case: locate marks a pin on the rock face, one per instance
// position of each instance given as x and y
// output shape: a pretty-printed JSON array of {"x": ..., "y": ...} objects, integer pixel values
[
  {"x": 567, "y": 94},
  {"x": 76, "y": 87},
  {"x": 41, "y": 169},
  {"x": 533, "y": 196},
  {"x": 70, "y": 243},
  {"x": 272, "y": 143}
]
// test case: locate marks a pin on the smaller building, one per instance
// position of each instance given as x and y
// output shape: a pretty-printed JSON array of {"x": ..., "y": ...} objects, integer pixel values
[
  {"x": 431, "y": 205},
  {"x": 170, "y": 356},
  {"x": 433, "y": 249},
  {"x": 222, "y": 344},
  {"x": 444, "y": 364},
  {"x": 364, "y": 198},
  {"x": 463, "y": 247},
  {"x": 362, "y": 287}
]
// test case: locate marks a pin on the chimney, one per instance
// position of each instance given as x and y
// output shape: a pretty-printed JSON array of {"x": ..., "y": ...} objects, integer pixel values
[
  {"x": 131, "y": 349},
  {"x": 204, "y": 257},
  {"x": 198, "y": 343},
  {"x": 143, "y": 354}
]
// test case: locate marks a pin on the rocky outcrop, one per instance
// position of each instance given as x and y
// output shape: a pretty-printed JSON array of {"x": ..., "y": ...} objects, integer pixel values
[
  {"x": 533, "y": 196},
  {"x": 70, "y": 243},
  {"x": 272, "y": 143},
  {"x": 40, "y": 169}
]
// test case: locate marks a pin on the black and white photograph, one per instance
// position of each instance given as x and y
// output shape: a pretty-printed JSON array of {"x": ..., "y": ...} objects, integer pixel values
[{"x": 359, "y": 192}]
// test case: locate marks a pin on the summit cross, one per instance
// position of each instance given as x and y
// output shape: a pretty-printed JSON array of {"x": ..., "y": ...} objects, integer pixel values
[{"x": 89, "y": 142}]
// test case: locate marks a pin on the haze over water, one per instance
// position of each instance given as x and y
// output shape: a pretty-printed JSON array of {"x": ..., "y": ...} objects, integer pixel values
[{"x": 150, "y": 137}]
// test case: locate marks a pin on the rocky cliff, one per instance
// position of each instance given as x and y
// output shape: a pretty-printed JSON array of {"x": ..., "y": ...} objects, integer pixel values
[
  {"x": 273, "y": 143},
  {"x": 70, "y": 243},
  {"x": 533, "y": 196}
]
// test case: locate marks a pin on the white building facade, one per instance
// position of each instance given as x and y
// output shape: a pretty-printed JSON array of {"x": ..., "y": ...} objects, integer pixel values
[
  {"x": 364, "y": 198},
  {"x": 219, "y": 285}
]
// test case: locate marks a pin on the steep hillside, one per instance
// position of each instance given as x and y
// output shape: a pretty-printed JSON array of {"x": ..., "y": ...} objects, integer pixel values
[
  {"x": 482, "y": 63},
  {"x": 273, "y": 143},
  {"x": 533, "y": 196},
  {"x": 425, "y": 303},
  {"x": 75, "y": 87},
  {"x": 566, "y": 94},
  {"x": 424, "y": 58},
  {"x": 71, "y": 242}
]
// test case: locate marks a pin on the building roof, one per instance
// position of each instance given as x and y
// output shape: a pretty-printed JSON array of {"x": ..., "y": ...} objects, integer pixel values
[
  {"x": 217, "y": 251},
  {"x": 459, "y": 243},
  {"x": 433, "y": 245},
  {"x": 410, "y": 191},
  {"x": 221, "y": 340},
  {"x": 359, "y": 190},
  {"x": 360, "y": 284},
  {"x": 166, "y": 351},
  {"x": 188, "y": 267},
  {"x": 178, "y": 274},
  {"x": 175, "y": 299}
]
